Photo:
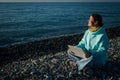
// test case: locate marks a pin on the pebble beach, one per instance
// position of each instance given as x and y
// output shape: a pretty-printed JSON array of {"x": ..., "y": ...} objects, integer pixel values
[{"x": 56, "y": 65}]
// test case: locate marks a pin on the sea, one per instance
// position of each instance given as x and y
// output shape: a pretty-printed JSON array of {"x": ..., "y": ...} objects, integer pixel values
[{"x": 29, "y": 21}]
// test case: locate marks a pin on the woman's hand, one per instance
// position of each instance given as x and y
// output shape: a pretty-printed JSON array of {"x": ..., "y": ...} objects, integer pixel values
[
  {"x": 86, "y": 55},
  {"x": 71, "y": 52}
]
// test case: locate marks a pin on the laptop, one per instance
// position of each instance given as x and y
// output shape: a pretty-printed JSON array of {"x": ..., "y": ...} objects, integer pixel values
[{"x": 77, "y": 51}]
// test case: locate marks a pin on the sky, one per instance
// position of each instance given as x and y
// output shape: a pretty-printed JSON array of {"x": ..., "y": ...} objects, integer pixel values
[{"x": 59, "y": 0}]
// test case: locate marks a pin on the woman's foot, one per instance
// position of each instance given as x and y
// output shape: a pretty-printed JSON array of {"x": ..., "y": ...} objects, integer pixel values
[{"x": 71, "y": 63}]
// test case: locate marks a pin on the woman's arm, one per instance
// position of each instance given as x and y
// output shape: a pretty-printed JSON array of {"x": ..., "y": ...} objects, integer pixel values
[{"x": 83, "y": 41}]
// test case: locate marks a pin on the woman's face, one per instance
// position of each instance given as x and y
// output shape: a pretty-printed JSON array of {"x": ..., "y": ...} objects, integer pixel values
[{"x": 91, "y": 21}]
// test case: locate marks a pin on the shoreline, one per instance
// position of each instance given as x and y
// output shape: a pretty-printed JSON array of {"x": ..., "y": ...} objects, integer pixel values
[
  {"x": 39, "y": 39},
  {"x": 59, "y": 36},
  {"x": 45, "y": 46}
]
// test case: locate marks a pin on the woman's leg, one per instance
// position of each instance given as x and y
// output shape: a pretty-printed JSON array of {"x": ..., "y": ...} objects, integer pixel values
[{"x": 96, "y": 62}]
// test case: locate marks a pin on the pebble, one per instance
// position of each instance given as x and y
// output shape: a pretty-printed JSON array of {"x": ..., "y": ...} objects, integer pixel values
[{"x": 57, "y": 67}]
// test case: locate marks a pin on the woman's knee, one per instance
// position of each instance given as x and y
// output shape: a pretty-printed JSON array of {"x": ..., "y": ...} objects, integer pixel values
[{"x": 68, "y": 52}]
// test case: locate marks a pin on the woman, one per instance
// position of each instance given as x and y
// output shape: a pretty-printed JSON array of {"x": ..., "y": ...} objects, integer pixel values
[{"x": 94, "y": 43}]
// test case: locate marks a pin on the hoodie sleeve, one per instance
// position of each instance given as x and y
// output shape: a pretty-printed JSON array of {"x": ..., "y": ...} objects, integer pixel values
[{"x": 82, "y": 42}]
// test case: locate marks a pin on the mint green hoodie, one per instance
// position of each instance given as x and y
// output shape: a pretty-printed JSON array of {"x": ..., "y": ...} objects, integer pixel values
[{"x": 96, "y": 43}]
